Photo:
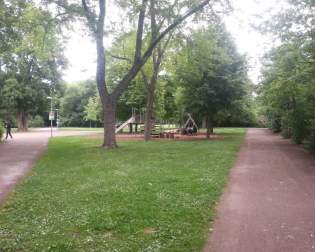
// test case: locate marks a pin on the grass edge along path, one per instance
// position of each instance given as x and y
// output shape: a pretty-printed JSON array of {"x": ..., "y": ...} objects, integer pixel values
[{"x": 155, "y": 196}]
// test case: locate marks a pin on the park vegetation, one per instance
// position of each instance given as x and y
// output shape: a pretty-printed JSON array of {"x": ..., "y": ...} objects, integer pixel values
[
  {"x": 152, "y": 65},
  {"x": 30, "y": 60},
  {"x": 287, "y": 90},
  {"x": 167, "y": 59},
  {"x": 1, "y": 131}
]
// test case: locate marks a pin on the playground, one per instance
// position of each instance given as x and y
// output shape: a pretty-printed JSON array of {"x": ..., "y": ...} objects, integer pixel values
[
  {"x": 133, "y": 129},
  {"x": 168, "y": 136}
]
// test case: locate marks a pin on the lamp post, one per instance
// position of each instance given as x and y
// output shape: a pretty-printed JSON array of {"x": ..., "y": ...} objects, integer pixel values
[{"x": 51, "y": 115}]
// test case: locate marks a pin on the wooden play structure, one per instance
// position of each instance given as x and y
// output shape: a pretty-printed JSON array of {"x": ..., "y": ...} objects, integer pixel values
[
  {"x": 190, "y": 127},
  {"x": 133, "y": 122},
  {"x": 136, "y": 126}
]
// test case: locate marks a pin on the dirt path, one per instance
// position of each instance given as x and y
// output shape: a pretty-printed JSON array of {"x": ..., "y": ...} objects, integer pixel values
[
  {"x": 269, "y": 203},
  {"x": 17, "y": 156}
]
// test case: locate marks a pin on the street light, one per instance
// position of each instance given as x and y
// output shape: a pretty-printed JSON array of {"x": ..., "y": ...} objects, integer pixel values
[{"x": 51, "y": 115}]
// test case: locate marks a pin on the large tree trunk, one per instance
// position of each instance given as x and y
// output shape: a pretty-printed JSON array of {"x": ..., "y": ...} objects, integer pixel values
[
  {"x": 149, "y": 110},
  {"x": 110, "y": 126},
  {"x": 209, "y": 126},
  {"x": 22, "y": 121},
  {"x": 204, "y": 122},
  {"x": 148, "y": 123}
]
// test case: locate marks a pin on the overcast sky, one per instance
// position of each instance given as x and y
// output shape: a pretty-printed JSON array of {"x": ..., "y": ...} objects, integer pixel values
[{"x": 81, "y": 52}]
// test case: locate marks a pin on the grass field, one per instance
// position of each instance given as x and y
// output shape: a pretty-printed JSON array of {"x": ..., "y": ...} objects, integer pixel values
[
  {"x": 80, "y": 129},
  {"x": 125, "y": 130},
  {"x": 155, "y": 196}
]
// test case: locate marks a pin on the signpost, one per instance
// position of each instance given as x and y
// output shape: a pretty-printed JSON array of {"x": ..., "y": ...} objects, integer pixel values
[{"x": 51, "y": 116}]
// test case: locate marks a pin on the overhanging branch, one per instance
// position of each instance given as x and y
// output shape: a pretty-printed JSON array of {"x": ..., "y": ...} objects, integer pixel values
[
  {"x": 119, "y": 57},
  {"x": 123, "y": 84},
  {"x": 90, "y": 16},
  {"x": 137, "y": 56}
]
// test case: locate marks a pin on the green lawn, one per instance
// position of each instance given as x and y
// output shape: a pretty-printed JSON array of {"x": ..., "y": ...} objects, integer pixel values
[
  {"x": 155, "y": 196},
  {"x": 80, "y": 129},
  {"x": 125, "y": 130}
]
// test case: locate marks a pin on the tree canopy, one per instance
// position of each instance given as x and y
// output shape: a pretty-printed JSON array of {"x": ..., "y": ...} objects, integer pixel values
[
  {"x": 211, "y": 73},
  {"x": 287, "y": 91},
  {"x": 30, "y": 59},
  {"x": 158, "y": 63}
]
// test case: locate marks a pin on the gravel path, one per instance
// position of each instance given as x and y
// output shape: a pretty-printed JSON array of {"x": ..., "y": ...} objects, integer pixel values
[
  {"x": 269, "y": 203},
  {"x": 18, "y": 155}
]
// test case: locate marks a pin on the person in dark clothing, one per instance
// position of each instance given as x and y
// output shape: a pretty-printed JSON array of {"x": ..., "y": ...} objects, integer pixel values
[
  {"x": 190, "y": 130},
  {"x": 8, "y": 127}
]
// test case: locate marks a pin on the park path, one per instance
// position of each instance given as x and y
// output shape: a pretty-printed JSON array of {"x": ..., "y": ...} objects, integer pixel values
[
  {"x": 269, "y": 203},
  {"x": 18, "y": 155}
]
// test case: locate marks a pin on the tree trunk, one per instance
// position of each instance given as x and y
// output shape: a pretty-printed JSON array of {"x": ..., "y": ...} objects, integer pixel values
[
  {"x": 110, "y": 126},
  {"x": 130, "y": 128},
  {"x": 149, "y": 111},
  {"x": 209, "y": 126},
  {"x": 22, "y": 121},
  {"x": 204, "y": 122}
]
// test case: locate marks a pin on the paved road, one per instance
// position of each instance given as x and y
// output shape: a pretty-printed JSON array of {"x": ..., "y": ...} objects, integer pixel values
[
  {"x": 17, "y": 156},
  {"x": 269, "y": 203}
]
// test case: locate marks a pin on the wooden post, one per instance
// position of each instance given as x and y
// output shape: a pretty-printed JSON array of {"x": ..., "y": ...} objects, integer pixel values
[{"x": 130, "y": 128}]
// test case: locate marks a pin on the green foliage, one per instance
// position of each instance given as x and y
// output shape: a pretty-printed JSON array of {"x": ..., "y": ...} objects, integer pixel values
[
  {"x": 73, "y": 104},
  {"x": 213, "y": 76},
  {"x": 294, "y": 22},
  {"x": 36, "y": 122},
  {"x": 1, "y": 130},
  {"x": 93, "y": 110},
  {"x": 160, "y": 196},
  {"x": 170, "y": 109},
  {"x": 240, "y": 114},
  {"x": 136, "y": 95},
  {"x": 311, "y": 136},
  {"x": 30, "y": 58},
  {"x": 287, "y": 92}
]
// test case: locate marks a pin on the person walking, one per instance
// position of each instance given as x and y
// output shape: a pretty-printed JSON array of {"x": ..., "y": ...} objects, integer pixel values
[{"x": 8, "y": 128}]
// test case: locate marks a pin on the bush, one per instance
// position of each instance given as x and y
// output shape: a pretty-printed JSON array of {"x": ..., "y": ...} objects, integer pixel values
[
  {"x": 299, "y": 132},
  {"x": 275, "y": 124},
  {"x": 299, "y": 124},
  {"x": 36, "y": 122},
  {"x": 286, "y": 129},
  {"x": 1, "y": 131},
  {"x": 312, "y": 136}
]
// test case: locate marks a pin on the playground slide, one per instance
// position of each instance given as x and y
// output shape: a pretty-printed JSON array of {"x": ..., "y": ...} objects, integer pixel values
[{"x": 130, "y": 120}]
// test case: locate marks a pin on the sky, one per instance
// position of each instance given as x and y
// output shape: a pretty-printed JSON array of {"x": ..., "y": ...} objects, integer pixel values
[{"x": 81, "y": 52}]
